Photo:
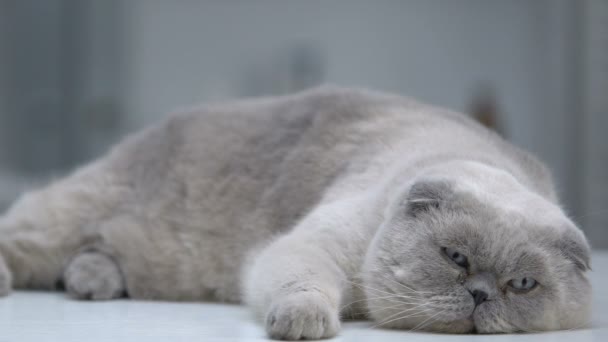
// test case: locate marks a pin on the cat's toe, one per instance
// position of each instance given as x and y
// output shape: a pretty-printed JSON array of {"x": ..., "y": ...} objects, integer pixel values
[
  {"x": 93, "y": 276},
  {"x": 6, "y": 278},
  {"x": 306, "y": 315}
]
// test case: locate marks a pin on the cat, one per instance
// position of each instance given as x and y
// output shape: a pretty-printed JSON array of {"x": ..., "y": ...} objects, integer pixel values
[{"x": 327, "y": 204}]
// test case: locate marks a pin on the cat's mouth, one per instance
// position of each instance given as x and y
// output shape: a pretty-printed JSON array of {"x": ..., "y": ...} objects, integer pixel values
[
  {"x": 473, "y": 326},
  {"x": 462, "y": 326}
]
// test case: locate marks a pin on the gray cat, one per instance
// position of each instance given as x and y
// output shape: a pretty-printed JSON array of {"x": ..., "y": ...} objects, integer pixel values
[{"x": 325, "y": 204}]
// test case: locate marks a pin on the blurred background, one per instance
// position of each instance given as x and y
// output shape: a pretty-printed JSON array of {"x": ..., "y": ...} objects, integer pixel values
[{"x": 77, "y": 75}]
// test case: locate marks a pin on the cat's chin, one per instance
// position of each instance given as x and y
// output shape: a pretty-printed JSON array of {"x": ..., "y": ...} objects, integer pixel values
[{"x": 463, "y": 326}]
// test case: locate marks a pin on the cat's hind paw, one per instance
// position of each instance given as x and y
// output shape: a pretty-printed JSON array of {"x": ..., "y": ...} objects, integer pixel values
[
  {"x": 92, "y": 275},
  {"x": 302, "y": 316}
]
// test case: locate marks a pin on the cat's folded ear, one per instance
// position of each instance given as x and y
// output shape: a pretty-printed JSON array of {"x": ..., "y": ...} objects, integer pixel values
[
  {"x": 573, "y": 245},
  {"x": 427, "y": 195}
]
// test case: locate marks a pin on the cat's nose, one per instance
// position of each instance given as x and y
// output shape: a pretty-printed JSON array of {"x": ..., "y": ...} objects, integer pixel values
[
  {"x": 479, "y": 296},
  {"x": 482, "y": 286}
]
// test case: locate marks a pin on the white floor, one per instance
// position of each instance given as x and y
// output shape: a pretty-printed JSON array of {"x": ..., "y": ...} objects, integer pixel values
[{"x": 32, "y": 316}]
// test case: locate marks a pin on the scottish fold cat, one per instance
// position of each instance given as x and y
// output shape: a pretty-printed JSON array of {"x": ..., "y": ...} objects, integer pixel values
[{"x": 311, "y": 208}]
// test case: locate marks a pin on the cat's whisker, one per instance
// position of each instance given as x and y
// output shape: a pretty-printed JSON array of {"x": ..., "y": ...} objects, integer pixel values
[
  {"x": 368, "y": 287},
  {"x": 394, "y": 298},
  {"x": 382, "y": 291},
  {"x": 374, "y": 298},
  {"x": 391, "y": 317},
  {"x": 405, "y": 286},
  {"x": 429, "y": 320},
  {"x": 414, "y": 315},
  {"x": 380, "y": 308},
  {"x": 399, "y": 301}
]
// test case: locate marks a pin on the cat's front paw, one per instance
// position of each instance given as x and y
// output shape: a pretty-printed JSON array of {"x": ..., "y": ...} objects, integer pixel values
[{"x": 304, "y": 315}]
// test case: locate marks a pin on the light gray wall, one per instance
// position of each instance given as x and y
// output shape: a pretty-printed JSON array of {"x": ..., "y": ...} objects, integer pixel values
[
  {"x": 59, "y": 87},
  {"x": 439, "y": 51},
  {"x": 595, "y": 122}
]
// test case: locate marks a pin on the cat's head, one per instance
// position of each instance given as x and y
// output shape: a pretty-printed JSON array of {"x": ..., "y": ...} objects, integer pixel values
[{"x": 452, "y": 257}]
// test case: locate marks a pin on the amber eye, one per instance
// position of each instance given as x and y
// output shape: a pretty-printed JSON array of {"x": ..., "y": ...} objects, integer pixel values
[
  {"x": 523, "y": 284},
  {"x": 457, "y": 257}
]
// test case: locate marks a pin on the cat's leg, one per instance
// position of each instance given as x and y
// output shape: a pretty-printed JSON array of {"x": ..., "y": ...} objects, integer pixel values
[
  {"x": 298, "y": 282},
  {"x": 151, "y": 256},
  {"x": 93, "y": 275},
  {"x": 297, "y": 289},
  {"x": 44, "y": 228}
]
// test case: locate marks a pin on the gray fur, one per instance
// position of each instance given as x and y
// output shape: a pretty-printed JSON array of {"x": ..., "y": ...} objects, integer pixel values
[
  {"x": 93, "y": 275},
  {"x": 328, "y": 203}
]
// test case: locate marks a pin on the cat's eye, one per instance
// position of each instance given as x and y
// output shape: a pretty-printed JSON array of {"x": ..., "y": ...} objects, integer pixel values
[
  {"x": 523, "y": 284},
  {"x": 457, "y": 257}
]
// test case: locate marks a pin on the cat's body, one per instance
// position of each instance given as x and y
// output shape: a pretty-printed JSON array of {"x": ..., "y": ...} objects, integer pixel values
[{"x": 278, "y": 202}]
